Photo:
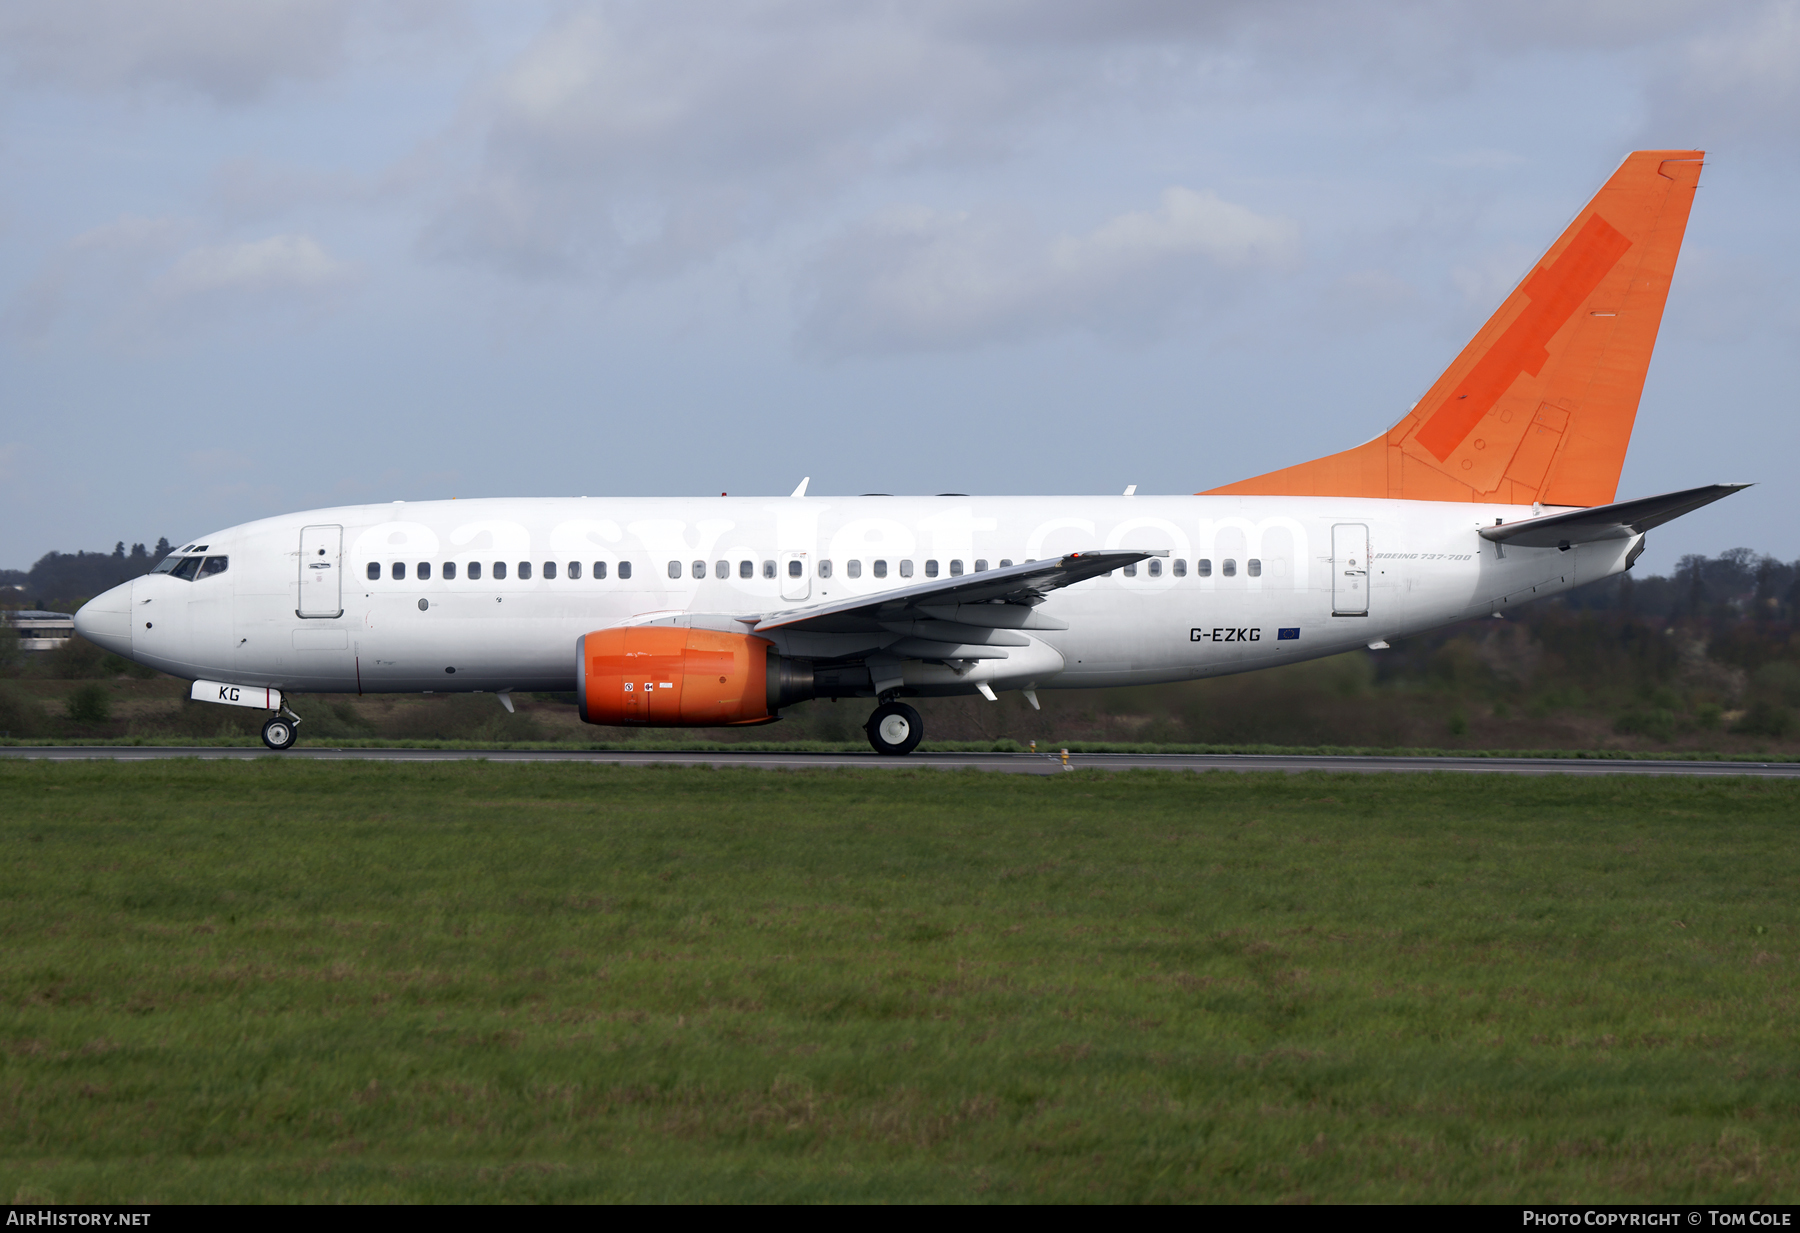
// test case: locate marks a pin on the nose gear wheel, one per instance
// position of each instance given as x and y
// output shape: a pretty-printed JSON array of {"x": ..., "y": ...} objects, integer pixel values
[{"x": 280, "y": 733}]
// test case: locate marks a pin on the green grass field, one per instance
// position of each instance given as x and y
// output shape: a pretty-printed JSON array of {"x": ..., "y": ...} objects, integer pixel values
[{"x": 463, "y": 981}]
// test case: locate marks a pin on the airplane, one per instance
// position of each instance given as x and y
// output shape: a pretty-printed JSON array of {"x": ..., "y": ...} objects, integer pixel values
[{"x": 1496, "y": 488}]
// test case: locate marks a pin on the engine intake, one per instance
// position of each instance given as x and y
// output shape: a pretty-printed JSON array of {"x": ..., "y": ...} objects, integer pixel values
[{"x": 658, "y": 676}]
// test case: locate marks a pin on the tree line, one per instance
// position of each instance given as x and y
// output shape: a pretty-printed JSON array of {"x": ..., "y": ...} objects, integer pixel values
[{"x": 66, "y": 580}]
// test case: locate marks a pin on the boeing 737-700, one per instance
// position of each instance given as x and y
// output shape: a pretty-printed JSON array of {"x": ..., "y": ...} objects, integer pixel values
[{"x": 1498, "y": 487}]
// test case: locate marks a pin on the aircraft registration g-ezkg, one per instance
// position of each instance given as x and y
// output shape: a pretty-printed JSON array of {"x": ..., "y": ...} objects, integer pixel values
[{"x": 1496, "y": 488}]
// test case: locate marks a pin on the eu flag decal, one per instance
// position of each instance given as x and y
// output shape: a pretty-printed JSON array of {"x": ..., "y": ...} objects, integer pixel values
[{"x": 1285, "y": 634}]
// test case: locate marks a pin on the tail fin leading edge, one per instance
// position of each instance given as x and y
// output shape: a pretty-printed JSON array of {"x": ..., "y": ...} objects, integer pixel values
[{"x": 1539, "y": 406}]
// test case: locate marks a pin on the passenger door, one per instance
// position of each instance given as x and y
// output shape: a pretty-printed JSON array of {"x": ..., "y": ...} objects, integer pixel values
[
  {"x": 1350, "y": 569},
  {"x": 321, "y": 572}
]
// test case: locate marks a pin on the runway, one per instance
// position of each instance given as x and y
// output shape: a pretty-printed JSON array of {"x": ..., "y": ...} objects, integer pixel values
[{"x": 1019, "y": 764}]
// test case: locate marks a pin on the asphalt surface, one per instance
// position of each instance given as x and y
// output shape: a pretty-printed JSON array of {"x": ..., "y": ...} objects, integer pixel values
[{"x": 1024, "y": 764}]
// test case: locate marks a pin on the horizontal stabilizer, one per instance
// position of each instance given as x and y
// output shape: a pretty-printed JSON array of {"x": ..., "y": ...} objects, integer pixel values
[{"x": 1620, "y": 521}]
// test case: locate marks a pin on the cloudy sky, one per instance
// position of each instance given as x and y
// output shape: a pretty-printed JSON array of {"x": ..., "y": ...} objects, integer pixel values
[{"x": 265, "y": 256}]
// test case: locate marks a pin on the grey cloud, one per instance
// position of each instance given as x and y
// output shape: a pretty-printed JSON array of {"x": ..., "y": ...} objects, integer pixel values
[
  {"x": 95, "y": 267},
  {"x": 710, "y": 121},
  {"x": 249, "y": 190},
  {"x": 141, "y": 280},
  {"x": 919, "y": 280},
  {"x": 225, "y": 50},
  {"x": 725, "y": 123},
  {"x": 275, "y": 265},
  {"x": 1740, "y": 78}
]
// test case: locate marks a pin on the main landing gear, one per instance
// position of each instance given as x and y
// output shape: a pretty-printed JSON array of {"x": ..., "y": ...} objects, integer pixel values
[
  {"x": 281, "y": 732},
  {"x": 895, "y": 728}
]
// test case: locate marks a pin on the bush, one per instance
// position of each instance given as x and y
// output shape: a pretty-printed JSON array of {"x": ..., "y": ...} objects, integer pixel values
[
  {"x": 1765, "y": 718},
  {"x": 321, "y": 718},
  {"x": 1780, "y": 680},
  {"x": 88, "y": 705},
  {"x": 76, "y": 660},
  {"x": 1655, "y": 723},
  {"x": 465, "y": 717},
  {"x": 20, "y": 713}
]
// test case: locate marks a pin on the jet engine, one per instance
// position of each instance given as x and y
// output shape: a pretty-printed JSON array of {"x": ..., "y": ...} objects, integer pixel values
[{"x": 688, "y": 678}]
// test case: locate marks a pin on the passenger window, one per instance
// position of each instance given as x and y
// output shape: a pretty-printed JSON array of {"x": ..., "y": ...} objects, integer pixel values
[
  {"x": 768, "y": 569},
  {"x": 499, "y": 571},
  {"x": 624, "y": 570},
  {"x": 746, "y": 569},
  {"x": 1005, "y": 562},
  {"x": 1254, "y": 564},
  {"x": 906, "y": 568},
  {"x": 449, "y": 571},
  {"x": 956, "y": 569},
  {"x": 795, "y": 569},
  {"x": 191, "y": 566},
  {"x": 1130, "y": 570},
  {"x": 574, "y": 570},
  {"x": 824, "y": 569},
  {"x": 931, "y": 570},
  {"x": 1180, "y": 565},
  {"x": 1203, "y": 567},
  {"x": 855, "y": 568},
  {"x": 697, "y": 569},
  {"x": 424, "y": 574},
  {"x": 524, "y": 570},
  {"x": 474, "y": 571},
  {"x": 721, "y": 569},
  {"x": 881, "y": 569},
  {"x": 599, "y": 569},
  {"x": 674, "y": 569},
  {"x": 1155, "y": 568},
  {"x": 980, "y": 565},
  {"x": 1228, "y": 567},
  {"x": 374, "y": 571},
  {"x": 549, "y": 570},
  {"x": 397, "y": 571}
]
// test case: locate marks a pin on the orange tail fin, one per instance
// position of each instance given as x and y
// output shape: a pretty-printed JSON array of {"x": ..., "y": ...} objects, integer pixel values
[{"x": 1539, "y": 406}]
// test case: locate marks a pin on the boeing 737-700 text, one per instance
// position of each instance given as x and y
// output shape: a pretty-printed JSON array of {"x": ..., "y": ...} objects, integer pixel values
[{"x": 1498, "y": 487}]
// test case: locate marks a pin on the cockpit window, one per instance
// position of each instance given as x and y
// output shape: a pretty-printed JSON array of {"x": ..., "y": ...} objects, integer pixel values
[
  {"x": 167, "y": 564},
  {"x": 214, "y": 565},
  {"x": 187, "y": 569}
]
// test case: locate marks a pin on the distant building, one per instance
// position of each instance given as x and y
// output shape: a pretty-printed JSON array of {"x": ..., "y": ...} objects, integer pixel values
[{"x": 40, "y": 630}]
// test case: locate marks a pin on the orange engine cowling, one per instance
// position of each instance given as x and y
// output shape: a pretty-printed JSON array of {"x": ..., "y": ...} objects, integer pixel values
[{"x": 656, "y": 675}]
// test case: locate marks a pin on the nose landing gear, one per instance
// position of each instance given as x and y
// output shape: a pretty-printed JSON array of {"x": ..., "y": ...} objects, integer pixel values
[
  {"x": 895, "y": 728},
  {"x": 282, "y": 730}
]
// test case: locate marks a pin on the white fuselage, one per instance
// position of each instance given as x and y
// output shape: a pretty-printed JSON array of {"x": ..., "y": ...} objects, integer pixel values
[{"x": 1248, "y": 582}]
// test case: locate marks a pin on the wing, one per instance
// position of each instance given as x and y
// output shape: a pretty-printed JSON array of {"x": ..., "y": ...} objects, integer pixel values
[
  {"x": 972, "y": 616},
  {"x": 1619, "y": 521}
]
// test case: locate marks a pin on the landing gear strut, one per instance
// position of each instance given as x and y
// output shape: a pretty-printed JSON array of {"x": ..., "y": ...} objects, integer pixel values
[
  {"x": 281, "y": 732},
  {"x": 895, "y": 728}
]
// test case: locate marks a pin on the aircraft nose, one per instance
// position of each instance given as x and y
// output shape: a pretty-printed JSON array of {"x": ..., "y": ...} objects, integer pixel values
[{"x": 105, "y": 620}]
